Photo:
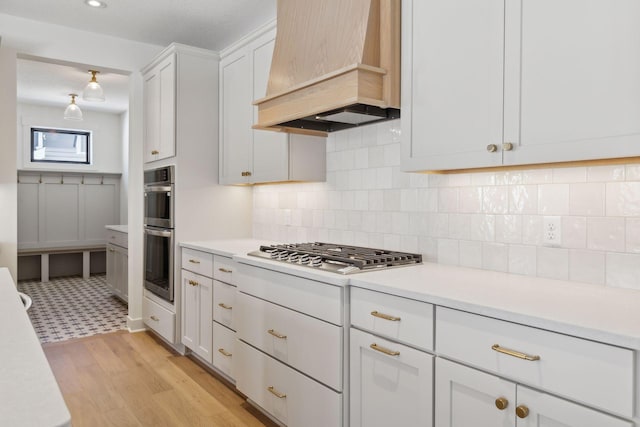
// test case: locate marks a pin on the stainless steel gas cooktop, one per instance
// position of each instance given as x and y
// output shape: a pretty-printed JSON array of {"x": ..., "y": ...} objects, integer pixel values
[{"x": 341, "y": 259}]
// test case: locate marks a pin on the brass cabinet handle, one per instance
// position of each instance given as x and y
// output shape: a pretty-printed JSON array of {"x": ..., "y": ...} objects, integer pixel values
[
  {"x": 385, "y": 316},
  {"x": 384, "y": 350},
  {"x": 522, "y": 411},
  {"x": 524, "y": 356},
  {"x": 277, "y": 335},
  {"x": 492, "y": 148},
  {"x": 502, "y": 403},
  {"x": 276, "y": 393},
  {"x": 194, "y": 261},
  {"x": 224, "y": 353},
  {"x": 507, "y": 146},
  {"x": 155, "y": 152},
  {"x": 225, "y": 270},
  {"x": 246, "y": 173},
  {"x": 225, "y": 306},
  {"x": 193, "y": 283},
  {"x": 154, "y": 318}
]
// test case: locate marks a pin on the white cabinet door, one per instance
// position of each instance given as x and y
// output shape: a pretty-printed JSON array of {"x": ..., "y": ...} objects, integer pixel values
[
  {"x": 270, "y": 149},
  {"x": 236, "y": 112},
  {"x": 124, "y": 274},
  {"x": 572, "y": 72},
  {"x": 160, "y": 110},
  {"x": 197, "y": 312},
  {"x": 112, "y": 272},
  {"x": 467, "y": 397},
  {"x": 548, "y": 411},
  {"x": 390, "y": 389},
  {"x": 452, "y": 96}
]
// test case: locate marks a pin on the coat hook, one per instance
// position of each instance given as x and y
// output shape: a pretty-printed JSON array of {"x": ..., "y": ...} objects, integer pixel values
[
  {"x": 18, "y": 179},
  {"x": 82, "y": 180},
  {"x": 61, "y": 179},
  {"x": 40, "y": 180},
  {"x": 102, "y": 180}
]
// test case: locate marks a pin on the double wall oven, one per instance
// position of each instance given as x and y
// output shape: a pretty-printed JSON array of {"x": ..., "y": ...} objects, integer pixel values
[{"x": 159, "y": 194}]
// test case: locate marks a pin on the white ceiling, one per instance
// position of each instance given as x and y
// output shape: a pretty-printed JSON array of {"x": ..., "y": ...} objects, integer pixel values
[{"x": 209, "y": 24}]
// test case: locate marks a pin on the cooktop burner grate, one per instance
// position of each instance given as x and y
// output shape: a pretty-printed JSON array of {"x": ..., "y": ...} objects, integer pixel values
[{"x": 342, "y": 259}]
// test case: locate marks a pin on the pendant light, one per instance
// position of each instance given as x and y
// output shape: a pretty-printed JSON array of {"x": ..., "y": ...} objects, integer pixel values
[
  {"x": 73, "y": 111},
  {"x": 93, "y": 92}
]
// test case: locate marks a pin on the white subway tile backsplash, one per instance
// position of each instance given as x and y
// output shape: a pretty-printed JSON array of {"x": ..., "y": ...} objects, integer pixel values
[
  {"x": 606, "y": 173},
  {"x": 495, "y": 256},
  {"x": 623, "y": 270},
  {"x": 574, "y": 232},
  {"x": 606, "y": 234},
  {"x": 495, "y": 199},
  {"x": 522, "y": 260},
  {"x": 470, "y": 254},
  {"x": 553, "y": 263},
  {"x": 490, "y": 220},
  {"x": 553, "y": 199},
  {"x": 586, "y": 199},
  {"x": 561, "y": 175},
  {"x": 623, "y": 199},
  {"x": 587, "y": 266}
]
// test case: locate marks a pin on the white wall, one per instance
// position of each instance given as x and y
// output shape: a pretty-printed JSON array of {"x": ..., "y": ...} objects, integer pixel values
[
  {"x": 106, "y": 137},
  {"x": 8, "y": 175},
  {"x": 490, "y": 220},
  {"x": 56, "y": 42},
  {"x": 124, "y": 183}
]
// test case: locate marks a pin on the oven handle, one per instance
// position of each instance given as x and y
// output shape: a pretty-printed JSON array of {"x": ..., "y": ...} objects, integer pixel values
[
  {"x": 160, "y": 233},
  {"x": 158, "y": 188}
]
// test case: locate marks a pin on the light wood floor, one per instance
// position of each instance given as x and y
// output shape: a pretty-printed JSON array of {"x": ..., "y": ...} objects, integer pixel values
[{"x": 122, "y": 379}]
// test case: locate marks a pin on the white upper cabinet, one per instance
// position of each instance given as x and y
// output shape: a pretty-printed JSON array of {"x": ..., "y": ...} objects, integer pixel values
[
  {"x": 250, "y": 155},
  {"x": 160, "y": 109},
  {"x": 519, "y": 82}
]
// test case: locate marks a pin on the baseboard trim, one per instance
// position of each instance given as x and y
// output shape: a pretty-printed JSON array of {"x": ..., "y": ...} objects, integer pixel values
[{"x": 135, "y": 325}]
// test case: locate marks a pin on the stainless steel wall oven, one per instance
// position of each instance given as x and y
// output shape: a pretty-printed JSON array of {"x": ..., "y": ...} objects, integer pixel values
[{"x": 159, "y": 188}]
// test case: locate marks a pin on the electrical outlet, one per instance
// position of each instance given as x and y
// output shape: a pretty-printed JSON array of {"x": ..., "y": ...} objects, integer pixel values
[{"x": 552, "y": 231}]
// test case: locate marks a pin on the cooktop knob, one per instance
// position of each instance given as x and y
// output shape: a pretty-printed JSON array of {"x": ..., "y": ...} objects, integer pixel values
[
  {"x": 304, "y": 259},
  {"x": 316, "y": 261}
]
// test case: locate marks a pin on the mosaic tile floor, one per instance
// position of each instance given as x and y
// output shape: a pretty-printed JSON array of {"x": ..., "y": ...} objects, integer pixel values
[{"x": 71, "y": 307}]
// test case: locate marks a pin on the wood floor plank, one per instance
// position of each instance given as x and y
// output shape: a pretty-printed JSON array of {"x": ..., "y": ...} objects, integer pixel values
[{"x": 124, "y": 379}]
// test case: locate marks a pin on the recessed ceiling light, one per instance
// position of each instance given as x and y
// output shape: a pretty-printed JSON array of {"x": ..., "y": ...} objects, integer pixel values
[{"x": 95, "y": 3}]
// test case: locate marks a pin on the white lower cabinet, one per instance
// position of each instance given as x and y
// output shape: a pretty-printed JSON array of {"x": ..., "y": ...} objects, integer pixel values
[
  {"x": 159, "y": 318},
  {"x": 197, "y": 303},
  {"x": 468, "y": 397},
  {"x": 118, "y": 271},
  {"x": 289, "y": 396},
  {"x": 391, "y": 384},
  {"x": 224, "y": 343}
]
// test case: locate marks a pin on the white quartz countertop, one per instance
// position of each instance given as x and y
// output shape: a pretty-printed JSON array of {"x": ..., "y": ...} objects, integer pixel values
[
  {"x": 121, "y": 228},
  {"x": 600, "y": 313},
  {"x": 29, "y": 393}
]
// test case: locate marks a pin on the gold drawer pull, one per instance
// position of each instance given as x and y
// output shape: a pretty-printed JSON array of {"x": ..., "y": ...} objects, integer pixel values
[
  {"x": 276, "y": 393},
  {"x": 502, "y": 403},
  {"x": 193, "y": 283},
  {"x": 224, "y": 352},
  {"x": 194, "y": 261},
  {"x": 496, "y": 347},
  {"x": 277, "y": 335},
  {"x": 155, "y": 152},
  {"x": 386, "y": 351},
  {"x": 522, "y": 411},
  {"x": 154, "y": 318},
  {"x": 225, "y": 306},
  {"x": 225, "y": 270},
  {"x": 385, "y": 316}
]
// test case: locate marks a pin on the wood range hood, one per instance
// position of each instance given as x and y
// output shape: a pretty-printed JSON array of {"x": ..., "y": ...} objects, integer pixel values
[{"x": 335, "y": 65}]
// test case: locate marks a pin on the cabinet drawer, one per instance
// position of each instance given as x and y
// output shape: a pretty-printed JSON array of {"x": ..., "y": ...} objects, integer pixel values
[
  {"x": 397, "y": 318},
  {"x": 159, "y": 319},
  {"x": 287, "y": 395},
  {"x": 224, "y": 341},
  {"x": 307, "y": 344},
  {"x": 314, "y": 298},
  {"x": 596, "y": 374},
  {"x": 223, "y": 269},
  {"x": 117, "y": 238},
  {"x": 197, "y": 261},
  {"x": 224, "y": 301}
]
